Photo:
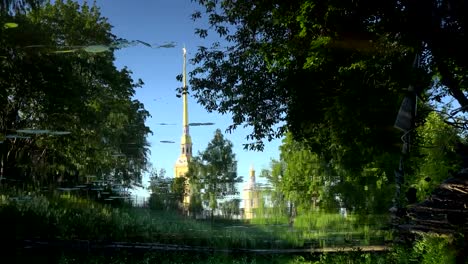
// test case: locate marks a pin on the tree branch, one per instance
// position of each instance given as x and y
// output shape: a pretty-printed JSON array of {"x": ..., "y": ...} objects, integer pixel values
[{"x": 453, "y": 86}]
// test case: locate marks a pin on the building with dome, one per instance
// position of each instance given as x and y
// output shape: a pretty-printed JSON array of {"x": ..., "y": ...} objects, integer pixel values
[{"x": 251, "y": 196}]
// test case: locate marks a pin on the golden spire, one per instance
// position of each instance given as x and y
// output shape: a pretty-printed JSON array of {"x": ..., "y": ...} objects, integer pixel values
[
  {"x": 182, "y": 165},
  {"x": 186, "y": 141},
  {"x": 184, "y": 94}
]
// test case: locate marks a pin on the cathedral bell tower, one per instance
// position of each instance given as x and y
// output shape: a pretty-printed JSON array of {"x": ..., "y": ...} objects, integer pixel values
[
  {"x": 182, "y": 163},
  {"x": 250, "y": 196}
]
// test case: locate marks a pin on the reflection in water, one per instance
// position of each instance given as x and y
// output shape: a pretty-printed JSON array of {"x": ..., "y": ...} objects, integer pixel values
[
  {"x": 43, "y": 131},
  {"x": 17, "y": 136},
  {"x": 97, "y": 48},
  {"x": 33, "y": 131},
  {"x": 165, "y": 124},
  {"x": 201, "y": 124}
]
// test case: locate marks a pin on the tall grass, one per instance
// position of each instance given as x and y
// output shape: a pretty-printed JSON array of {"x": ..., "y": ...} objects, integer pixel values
[
  {"x": 437, "y": 250},
  {"x": 316, "y": 228},
  {"x": 70, "y": 217},
  {"x": 204, "y": 258}
]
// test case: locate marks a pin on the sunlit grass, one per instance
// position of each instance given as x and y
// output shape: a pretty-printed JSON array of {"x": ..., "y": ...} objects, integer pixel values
[
  {"x": 70, "y": 217},
  {"x": 321, "y": 229}
]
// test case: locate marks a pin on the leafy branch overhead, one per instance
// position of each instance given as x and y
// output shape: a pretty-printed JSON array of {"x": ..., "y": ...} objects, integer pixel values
[{"x": 332, "y": 73}]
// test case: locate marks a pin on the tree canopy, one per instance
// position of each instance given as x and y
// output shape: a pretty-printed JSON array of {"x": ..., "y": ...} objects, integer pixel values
[
  {"x": 331, "y": 72},
  {"x": 213, "y": 172},
  {"x": 435, "y": 156},
  {"x": 302, "y": 181},
  {"x": 67, "y": 113}
]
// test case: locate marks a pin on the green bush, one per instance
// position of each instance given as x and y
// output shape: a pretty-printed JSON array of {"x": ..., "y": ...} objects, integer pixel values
[{"x": 427, "y": 249}]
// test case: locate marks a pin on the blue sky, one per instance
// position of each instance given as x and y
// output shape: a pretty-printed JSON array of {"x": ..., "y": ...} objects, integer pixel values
[{"x": 158, "y": 22}]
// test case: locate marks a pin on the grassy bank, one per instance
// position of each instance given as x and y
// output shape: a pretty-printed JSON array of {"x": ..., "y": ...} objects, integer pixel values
[
  {"x": 200, "y": 258},
  {"x": 428, "y": 250},
  {"x": 68, "y": 217}
]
